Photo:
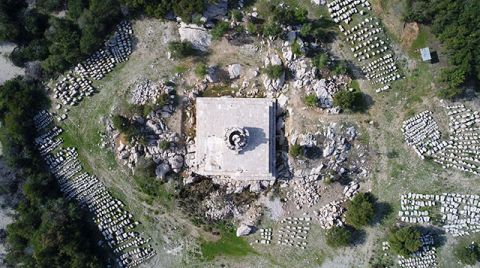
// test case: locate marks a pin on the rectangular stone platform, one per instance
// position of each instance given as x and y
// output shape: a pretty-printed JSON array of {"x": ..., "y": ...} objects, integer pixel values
[{"x": 213, "y": 158}]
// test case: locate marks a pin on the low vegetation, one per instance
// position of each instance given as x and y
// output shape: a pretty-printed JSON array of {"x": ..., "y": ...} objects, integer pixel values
[
  {"x": 467, "y": 253},
  {"x": 296, "y": 150},
  {"x": 219, "y": 30},
  {"x": 311, "y": 100},
  {"x": 181, "y": 50},
  {"x": 274, "y": 71},
  {"x": 228, "y": 245}
]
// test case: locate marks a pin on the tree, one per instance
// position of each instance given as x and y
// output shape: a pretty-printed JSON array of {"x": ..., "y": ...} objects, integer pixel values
[
  {"x": 338, "y": 237},
  {"x": 274, "y": 71},
  {"x": 405, "y": 240},
  {"x": 349, "y": 100},
  {"x": 64, "y": 48},
  {"x": 10, "y": 20},
  {"x": 360, "y": 210},
  {"x": 311, "y": 100},
  {"x": 468, "y": 254},
  {"x": 75, "y": 8},
  {"x": 50, "y": 5}
]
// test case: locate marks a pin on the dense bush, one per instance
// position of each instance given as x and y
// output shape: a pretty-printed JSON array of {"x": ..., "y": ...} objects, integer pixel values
[
  {"x": 274, "y": 71},
  {"x": 338, "y": 237},
  {"x": 272, "y": 29},
  {"x": 405, "y": 241},
  {"x": 468, "y": 254},
  {"x": 360, "y": 210},
  {"x": 349, "y": 100}
]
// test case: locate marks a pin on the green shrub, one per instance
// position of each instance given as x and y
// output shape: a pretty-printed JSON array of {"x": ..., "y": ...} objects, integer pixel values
[
  {"x": 201, "y": 70},
  {"x": 164, "y": 145},
  {"x": 340, "y": 68},
  {"x": 237, "y": 15},
  {"x": 338, "y": 237},
  {"x": 252, "y": 28},
  {"x": 360, "y": 210},
  {"x": 468, "y": 254},
  {"x": 181, "y": 50},
  {"x": 349, "y": 100},
  {"x": 296, "y": 48},
  {"x": 274, "y": 71},
  {"x": 320, "y": 61},
  {"x": 405, "y": 241},
  {"x": 311, "y": 100},
  {"x": 272, "y": 29},
  {"x": 296, "y": 150},
  {"x": 219, "y": 29}
]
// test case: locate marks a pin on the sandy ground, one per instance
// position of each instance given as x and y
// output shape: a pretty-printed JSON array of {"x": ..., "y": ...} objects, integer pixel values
[{"x": 7, "y": 69}]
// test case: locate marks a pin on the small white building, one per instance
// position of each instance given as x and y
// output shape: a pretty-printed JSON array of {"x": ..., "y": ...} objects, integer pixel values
[{"x": 425, "y": 53}]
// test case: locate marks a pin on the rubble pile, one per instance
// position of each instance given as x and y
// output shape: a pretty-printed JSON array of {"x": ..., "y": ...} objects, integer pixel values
[
  {"x": 424, "y": 258},
  {"x": 366, "y": 41},
  {"x": 77, "y": 83},
  {"x": 294, "y": 232},
  {"x": 145, "y": 91},
  {"x": 460, "y": 151},
  {"x": 458, "y": 214},
  {"x": 330, "y": 215},
  {"x": 218, "y": 207},
  {"x": 161, "y": 145},
  {"x": 333, "y": 162},
  {"x": 115, "y": 223}
]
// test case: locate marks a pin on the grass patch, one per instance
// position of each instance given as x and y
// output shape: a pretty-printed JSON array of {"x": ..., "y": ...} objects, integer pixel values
[
  {"x": 228, "y": 245},
  {"x": 218, "y": 91},
  {"x": 421, "y": 40},
  {"x": 180, "y": 69}
]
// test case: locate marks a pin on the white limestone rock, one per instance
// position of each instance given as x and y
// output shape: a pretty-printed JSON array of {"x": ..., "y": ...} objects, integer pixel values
[{"x": 198, "y": 36}]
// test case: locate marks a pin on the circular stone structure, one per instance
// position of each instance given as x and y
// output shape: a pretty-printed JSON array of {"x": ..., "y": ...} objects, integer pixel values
[{"x": 236, "y": 138}]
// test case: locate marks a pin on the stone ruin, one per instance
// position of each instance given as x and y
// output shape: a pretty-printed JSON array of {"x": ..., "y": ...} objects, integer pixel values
[
  {"x": 425, "y": 257},
  {"x": 145, "y": 91},
  {"x": 460, "y": 151},
  {"x": 76, "y": 84},
  {"x": 335, "y": 148},
  {"x": 365, "y": 41},
  {"x": 162, "y": 146},
  {"x": 457, "y": 214},
  {"x": 116, "y": 224}
]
